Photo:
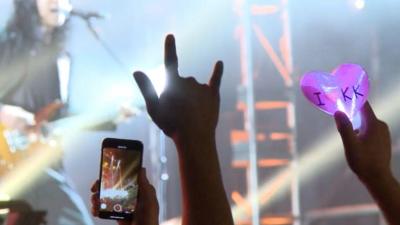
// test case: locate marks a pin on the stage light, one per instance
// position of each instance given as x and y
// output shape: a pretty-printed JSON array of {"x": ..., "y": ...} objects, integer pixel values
[
  {"x": 158, "y": 77},
  {"x": 164, "y": 176},
  {"x": 359, "y": 4}
]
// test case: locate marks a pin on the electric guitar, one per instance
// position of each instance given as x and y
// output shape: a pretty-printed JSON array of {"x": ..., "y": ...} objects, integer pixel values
[{"x": 17, "y": 146}]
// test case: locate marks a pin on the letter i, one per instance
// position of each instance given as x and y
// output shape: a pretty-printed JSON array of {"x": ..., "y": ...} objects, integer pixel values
[{"x": 320, "y": 103}]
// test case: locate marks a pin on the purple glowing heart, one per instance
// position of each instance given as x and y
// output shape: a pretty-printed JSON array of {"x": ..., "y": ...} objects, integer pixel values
[{"x": 346, "y": 89}]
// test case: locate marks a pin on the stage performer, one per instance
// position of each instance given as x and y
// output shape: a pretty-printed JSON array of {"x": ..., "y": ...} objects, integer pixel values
[{"x": 34, "y": 77}]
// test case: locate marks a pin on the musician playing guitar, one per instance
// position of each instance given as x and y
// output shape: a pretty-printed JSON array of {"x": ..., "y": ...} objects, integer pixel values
[{"x": 34, "y": 77}]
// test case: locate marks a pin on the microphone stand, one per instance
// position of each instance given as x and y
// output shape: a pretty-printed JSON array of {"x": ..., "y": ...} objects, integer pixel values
[{"x": 105, "y": 46}]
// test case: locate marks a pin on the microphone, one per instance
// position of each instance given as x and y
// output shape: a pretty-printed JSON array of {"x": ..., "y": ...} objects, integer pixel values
[{"x": 86, "y": 15}]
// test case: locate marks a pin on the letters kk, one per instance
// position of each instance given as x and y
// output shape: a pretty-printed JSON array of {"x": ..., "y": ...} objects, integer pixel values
[{"x": 346, "y": 94}]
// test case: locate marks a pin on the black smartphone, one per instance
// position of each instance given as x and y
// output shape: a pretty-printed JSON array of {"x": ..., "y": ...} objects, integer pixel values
[{"x": 120, "y": 164}]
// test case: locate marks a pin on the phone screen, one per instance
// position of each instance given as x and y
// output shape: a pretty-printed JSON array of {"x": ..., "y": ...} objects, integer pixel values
[{"x": 119, "y": 186}]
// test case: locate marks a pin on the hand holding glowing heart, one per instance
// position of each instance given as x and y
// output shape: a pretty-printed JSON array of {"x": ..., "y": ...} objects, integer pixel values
[{"x": 346, "y": 89}]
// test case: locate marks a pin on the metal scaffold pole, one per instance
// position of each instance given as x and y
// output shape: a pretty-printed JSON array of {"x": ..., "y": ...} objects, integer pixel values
[
  {"x": 270, "y": 42},
  {"x": 250, "y": 126}
]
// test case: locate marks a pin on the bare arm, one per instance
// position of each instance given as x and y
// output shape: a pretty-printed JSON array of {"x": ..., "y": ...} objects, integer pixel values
[
  {"x": 386, "y": 192},
  {"x": 188, "y": 113},
  {"x": 368, "y": 154}
]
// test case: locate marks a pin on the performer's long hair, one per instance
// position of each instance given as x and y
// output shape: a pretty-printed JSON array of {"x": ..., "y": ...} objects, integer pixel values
[
  {"x": 23, "y": 36},
  {"x": 23, "y": 28}
]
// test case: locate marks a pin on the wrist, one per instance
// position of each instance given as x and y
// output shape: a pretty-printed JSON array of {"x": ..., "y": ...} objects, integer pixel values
[
  {"x": 376, "y": 179},
  {"x": 192, "y": 141},
  {"x": 192, "y": 136}
]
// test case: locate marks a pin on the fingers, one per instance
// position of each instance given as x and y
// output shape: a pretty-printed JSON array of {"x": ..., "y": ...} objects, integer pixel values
[
  {"x": 368, "y": 113},
  {"x": 48, "y": 111},
  {"x": 147, "y": 196},
  {"x": 369, "y": 121},
  {"x": 345, "y": 129},
  {"x": 126, "y": 222},
  {"x": 385, "y": 132},
  {"x": 95, "y": 199},
  {"x": 148, "y": 91},
  {"x": 95, "y": 186},
  {"x": 143, "y": 181},
  {"x": 215, "y": 80},
  {"x": 170, "y": 57}
]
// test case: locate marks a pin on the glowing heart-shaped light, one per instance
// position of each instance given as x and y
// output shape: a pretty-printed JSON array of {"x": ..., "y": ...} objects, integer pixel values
[{"x": 346, "y": 89}]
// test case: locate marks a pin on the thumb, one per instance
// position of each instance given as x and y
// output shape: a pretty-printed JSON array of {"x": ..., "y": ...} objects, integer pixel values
[
  {"x": 345, "y": 129},
  {"x": 147, "y": 199},
  {"x": 147, "y": 190},
  {"x": 95, "y": 186},
  {"x": 148, "y": 91}
]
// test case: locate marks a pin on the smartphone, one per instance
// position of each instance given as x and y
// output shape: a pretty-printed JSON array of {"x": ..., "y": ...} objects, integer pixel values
[{"x": 120, "y": 164}]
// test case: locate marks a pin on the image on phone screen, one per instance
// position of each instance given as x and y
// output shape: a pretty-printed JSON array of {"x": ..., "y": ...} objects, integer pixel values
[{"x": 119, "y": 175}]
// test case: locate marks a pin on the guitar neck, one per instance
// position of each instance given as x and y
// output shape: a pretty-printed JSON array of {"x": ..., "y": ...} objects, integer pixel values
[{"x": 73, "y": 124}]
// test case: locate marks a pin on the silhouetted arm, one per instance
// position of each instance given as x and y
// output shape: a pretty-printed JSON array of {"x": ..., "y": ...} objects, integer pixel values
[
  {"x": 368, "y": 154},
  {"x": 188, "y": 113}
]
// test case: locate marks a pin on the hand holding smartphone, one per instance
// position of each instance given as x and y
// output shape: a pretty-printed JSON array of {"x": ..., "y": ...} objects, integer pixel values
[{"x": 121, "y": 161}]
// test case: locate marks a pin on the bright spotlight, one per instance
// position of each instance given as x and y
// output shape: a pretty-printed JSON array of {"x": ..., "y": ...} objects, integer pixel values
[
  {"x": 158, "y": 77},
  {"x": 359, "y": 4}
]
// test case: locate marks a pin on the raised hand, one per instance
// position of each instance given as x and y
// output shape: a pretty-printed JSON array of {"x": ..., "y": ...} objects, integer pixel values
[
  {"x": 188, "y": 113},
  {"x": 147, "y": 206},
  {"x": 185, "y": 107},
  {"x": 368, "y": 153}
]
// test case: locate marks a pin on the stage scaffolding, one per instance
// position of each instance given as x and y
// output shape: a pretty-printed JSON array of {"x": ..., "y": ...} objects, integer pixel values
[
  {"x": 266, "y": 99},
  {"x": 267, "y": 142}
]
